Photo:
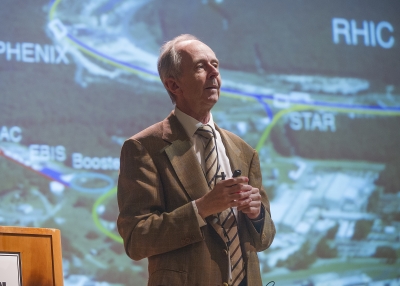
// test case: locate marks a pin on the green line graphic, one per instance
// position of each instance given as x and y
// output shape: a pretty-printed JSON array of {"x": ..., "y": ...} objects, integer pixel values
[
  {"x": 300, "y": 107},
  {"x": 96, "y": 218}
]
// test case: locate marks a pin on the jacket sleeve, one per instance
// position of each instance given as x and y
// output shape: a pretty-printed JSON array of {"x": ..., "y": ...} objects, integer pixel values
[
  {"x": 143, "y": 223},
  {"x": 262, "y": 239}
]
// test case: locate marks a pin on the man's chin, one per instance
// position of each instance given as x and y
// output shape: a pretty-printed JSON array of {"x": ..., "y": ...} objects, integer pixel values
[
  {"x": 213, "y": 99},
  {"x": 214, "y": 96}
]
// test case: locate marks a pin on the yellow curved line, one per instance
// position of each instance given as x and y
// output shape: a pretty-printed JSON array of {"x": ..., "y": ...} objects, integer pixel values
[
  {"x": 115, "y": 64},
  {"x": 53, "y": 9},
  {"x": 98, "y": 57},
  {"x": 96, "y": 219},
  {"x": 299, "y": 107},
  {"x": 267, "y": 130}
]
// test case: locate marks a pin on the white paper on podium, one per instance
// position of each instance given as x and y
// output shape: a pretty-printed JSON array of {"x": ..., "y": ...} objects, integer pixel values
[{"x": 10, "y": 269}]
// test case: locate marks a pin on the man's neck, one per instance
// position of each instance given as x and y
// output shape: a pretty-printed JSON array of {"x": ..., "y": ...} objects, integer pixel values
[{"x": 201, "y": 116}]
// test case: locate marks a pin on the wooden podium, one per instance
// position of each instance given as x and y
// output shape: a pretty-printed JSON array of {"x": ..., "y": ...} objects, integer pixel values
[{"x": 40, "y": 253}]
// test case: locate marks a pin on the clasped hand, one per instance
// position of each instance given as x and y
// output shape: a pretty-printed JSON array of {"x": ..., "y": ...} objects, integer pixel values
[{"x": 234, "y": 192}]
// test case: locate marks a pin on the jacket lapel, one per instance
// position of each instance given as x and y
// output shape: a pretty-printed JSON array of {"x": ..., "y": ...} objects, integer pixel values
[{"x": 183, "y": 158}]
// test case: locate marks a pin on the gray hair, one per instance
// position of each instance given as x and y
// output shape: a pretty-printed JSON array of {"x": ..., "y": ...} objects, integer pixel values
[{"x": 169, "y": 61}]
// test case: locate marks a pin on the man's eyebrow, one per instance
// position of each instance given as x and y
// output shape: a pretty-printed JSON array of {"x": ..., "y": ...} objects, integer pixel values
[
  {"x": 214, "y": 61},
  {"x": 199, "y": 61}
]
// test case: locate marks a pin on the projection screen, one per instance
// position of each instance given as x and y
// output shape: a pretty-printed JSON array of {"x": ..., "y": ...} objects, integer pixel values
[{"x": 312, "y": 85}]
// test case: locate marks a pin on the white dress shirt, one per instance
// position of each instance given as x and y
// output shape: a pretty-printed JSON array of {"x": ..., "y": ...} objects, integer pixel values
[{"x": 191, "y": 125}]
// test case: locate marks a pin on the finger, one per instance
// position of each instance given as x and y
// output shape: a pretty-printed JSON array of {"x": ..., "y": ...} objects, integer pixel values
[
  {"x": 251, "y": 206},
  {"x": 238, "y": 188},
  {"x": 255, "y": 190},
  {"x": 250, "y": 210},
  {"x": 239, "y": 204},
  {"x": 248, "y": 203},
  {"x": 247, "y": 209},
  {"x": 237, "y": 180},
  {"x": 248, "y": 188},
  {"x": 255, "y": 197},
  {"x": 239, "y": 196}
]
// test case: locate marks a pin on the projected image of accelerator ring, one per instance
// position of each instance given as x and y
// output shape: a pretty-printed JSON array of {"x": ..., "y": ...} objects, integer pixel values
[{"x": 91, "y": 183}]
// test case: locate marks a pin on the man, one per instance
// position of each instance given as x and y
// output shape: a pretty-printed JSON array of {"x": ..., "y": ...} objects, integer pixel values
[{"x": 174, "y": 203}]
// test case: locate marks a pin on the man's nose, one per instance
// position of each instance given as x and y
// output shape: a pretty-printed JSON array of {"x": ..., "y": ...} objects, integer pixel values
[{"x": 213, "y": 72}]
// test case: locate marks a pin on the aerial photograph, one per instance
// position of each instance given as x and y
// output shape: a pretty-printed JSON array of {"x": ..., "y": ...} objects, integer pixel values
[{"x": 312, "y": 85}]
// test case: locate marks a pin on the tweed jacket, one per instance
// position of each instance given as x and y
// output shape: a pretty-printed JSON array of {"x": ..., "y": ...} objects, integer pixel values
[{"x": 159, "y": 177}]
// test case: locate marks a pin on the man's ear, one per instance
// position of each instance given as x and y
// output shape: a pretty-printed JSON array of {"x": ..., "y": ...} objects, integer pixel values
[{"x": 171, "y": 85}]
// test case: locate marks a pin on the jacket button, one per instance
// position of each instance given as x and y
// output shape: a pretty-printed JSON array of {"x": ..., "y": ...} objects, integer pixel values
[
  {"x": 225, "y": 284},
  {"x": 225, "y": 252}
]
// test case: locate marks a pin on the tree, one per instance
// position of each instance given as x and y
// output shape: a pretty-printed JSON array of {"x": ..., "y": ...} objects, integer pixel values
[
  {"x": 389, "y": 178},
  {"x": 386, "y": 252},
  {"x": 280, "y": 141},
  {"x": 323, "y": 250},
  {"x": 362, "y": 229},
  {"x": 331, "y": 233},
  {"x": 301, "y": 259},
  {"x": 373, "y": 201}
]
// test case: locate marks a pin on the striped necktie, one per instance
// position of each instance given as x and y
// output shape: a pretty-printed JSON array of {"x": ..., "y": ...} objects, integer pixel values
[
  {"x": 229, "y": 226},
  {"x": 212, "y": 166},
  {"x": 227, "y": 219}
]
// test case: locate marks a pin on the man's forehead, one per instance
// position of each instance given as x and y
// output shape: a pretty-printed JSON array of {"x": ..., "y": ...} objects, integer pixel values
[
  {"x": 194, "y": 49},
  {"x": 187, "y": 44}
]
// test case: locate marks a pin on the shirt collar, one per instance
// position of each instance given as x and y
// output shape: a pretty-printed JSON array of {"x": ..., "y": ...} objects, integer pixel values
[{"x": 189, "y": 123}]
